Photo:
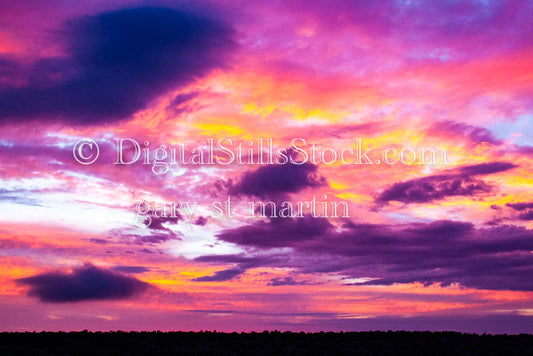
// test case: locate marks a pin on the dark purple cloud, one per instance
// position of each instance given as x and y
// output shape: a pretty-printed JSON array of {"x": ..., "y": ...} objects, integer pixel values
[
  {"x": 472, "y": 134},
  {"x": 442, "y": 229},
  {"x": 241, "y": 264},
  {"x": 461, "y": 181},
  {"x": 521, "y": 206},
  {"x": 153, "y": 238},
  {"x": 221, "y": 276},
  {"x": 12, "y": 72},
  {"x": 442, "y": 252},
  {"x": 85, "y": 283},
  {"x": 486, "y": 168},
  {"x": 99, "y": 241},
  {"x": 182, "y": 98},
  {"x": 131, "y": 269},
  {"x": 286, "y": 281},
  {"x": 157, "y": 222},
  {"x": 201, "y": 221},
  {"x": 117, "y": 62},
  {"x": 427, "y": 189},
  {"x": 526, "y": 209},
  {"x": 277, "y": 232},
  {"x": 240, "y": 259},
  {"x": 143, "y": 236},
  {"x": 278, "y": 179},
  {"x": 181, "y": 104},
  {"x": 528, "y": 215}
]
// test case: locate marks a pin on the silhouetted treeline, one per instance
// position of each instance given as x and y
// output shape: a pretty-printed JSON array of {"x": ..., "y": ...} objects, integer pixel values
[{"x": 263, "y": 343}]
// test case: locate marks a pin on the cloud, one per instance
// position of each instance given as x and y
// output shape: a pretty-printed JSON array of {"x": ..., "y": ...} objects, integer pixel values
[
  {"x": 131, "y": 269},
  {"x": 441, "y": 252},
  {"x": 286, "y": 281},
  {"x": 424, "y": 190},
  {"x": 85, "y": 283},
  {"x": 117, "y": 63},
  {"x": 221, "y": 276},
  {"x": 11, "y": 72},
  {"x": 277, "y": 232},
  {"x": 520, "y": 206},
  {"x": 528, "y": 215},
  {"x": 526, "y": 209},
  {"x": 99, "y": 241},
  {"x": 156, "y": 223},
  {"x": 472, "y": 28},
  {"x": 241, "y": 264},
  {"x": 182, "y": 98},
  {"x": 457, "y": 182},
  {"x": 472, "y": 134},
  {"x": 201, "y": 221},
  {"x": 148, "y": 236},
  {"x": 278, "y": 179},
  {"x": 486, "y": 168}
]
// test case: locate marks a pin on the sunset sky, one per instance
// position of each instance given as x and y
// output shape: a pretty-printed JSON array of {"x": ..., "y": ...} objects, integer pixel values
[{"x": 442, "y": 245}]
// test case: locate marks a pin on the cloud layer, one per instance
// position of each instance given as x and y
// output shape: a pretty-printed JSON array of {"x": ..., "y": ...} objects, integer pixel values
[
  {"x": 85, "y": 283},
  {"x": 442, "y": 252},
  {"x": 459, "y": 182},
  {"x": 117, "y": 63}
]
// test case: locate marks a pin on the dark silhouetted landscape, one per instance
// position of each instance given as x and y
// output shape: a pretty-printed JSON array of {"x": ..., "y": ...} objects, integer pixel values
[{"x": 263, "y": 343}]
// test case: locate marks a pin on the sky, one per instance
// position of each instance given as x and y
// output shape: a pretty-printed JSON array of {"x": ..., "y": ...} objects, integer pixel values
[{"x": 251, "y": 165}]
